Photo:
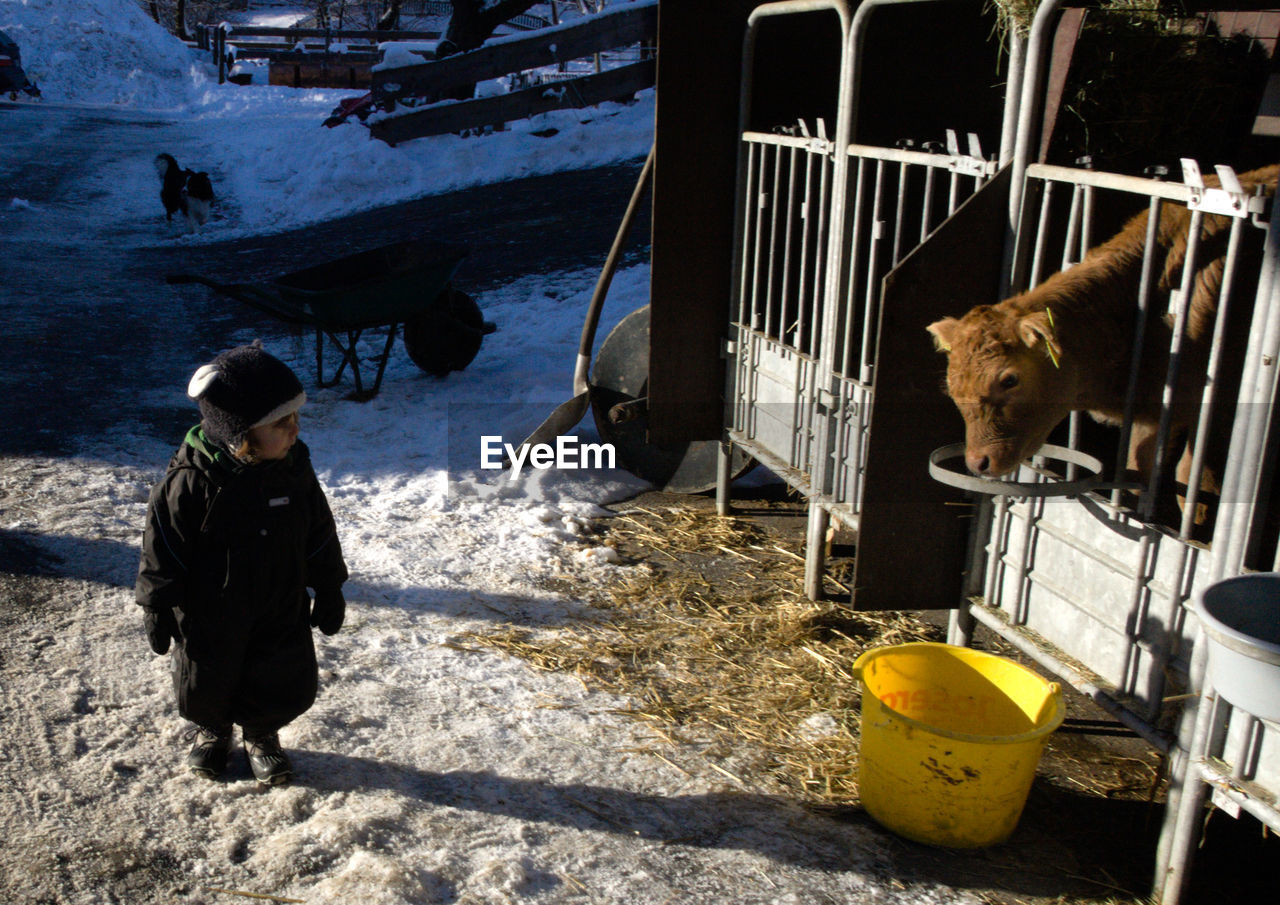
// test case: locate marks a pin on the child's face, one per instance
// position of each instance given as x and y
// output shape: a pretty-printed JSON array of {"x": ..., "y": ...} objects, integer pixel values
[{"x": 273, "y": 441}]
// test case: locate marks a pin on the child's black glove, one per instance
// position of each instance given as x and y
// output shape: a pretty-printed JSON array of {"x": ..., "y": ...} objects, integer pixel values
[
  {"x": 160, "y": 626},
  {"x": 328, "y": 610}
]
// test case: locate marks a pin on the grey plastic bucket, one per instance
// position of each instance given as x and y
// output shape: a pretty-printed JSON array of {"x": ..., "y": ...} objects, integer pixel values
[{"x": 1241, "y": 620}]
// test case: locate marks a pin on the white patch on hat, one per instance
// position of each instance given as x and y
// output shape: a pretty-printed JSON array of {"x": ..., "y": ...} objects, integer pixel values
[
  {"x": 200, "y": 381},
  {"x": 285, "y": 408}
]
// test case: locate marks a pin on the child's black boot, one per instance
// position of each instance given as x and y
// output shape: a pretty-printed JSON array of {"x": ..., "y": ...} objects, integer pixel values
[
  {"x": 208, "y": 755},
  {"x": 270, "y": 764}
]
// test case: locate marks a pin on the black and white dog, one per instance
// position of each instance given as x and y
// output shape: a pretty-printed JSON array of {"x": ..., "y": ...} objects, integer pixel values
[{"x": 184, "y": 191}]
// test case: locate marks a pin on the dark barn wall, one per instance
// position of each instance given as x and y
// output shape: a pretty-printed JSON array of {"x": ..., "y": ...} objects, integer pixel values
[{"x": 699, "y": 63}]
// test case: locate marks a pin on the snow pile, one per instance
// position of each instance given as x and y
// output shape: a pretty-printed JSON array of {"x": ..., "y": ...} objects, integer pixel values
[{"x": 99, "y": 51}]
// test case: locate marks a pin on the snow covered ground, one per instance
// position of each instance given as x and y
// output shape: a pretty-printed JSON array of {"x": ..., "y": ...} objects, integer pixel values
[{"x": 427, "y": 773}]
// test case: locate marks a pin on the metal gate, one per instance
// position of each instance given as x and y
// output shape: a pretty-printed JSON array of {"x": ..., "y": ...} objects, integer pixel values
[
  {"x": 1096, "y": 587},
  {"x": 821, "y": 221}
]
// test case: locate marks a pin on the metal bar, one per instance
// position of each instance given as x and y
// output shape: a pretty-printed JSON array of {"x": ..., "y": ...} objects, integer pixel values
[
  {"x": 775, "y": 201},
  {"x": 1017, "y": 69},
  {"x": 1020, "y": 603},
  {"x": 1242, "y": 475},
  {"x": 755, "y": 205},
  {"x": 931, "y": 159},
  {"x": 799, "y": 142},
  {"x": 872, "y": 297},
  {"x": 1133, "y": 185},
  {"x": 1073, "y": 226},
  {"x": 1139, "y": 601},
  {"x": 794, "y": 307},
  {"x": 744, "y": 255},
  {"x": 1209, "y": 394},
  {"x": 897, "y": 221},
  {"x": 926, "y": 213},
  {"x": 1175, "y": 352},
  {"x": 1223, "y": 783},
  {"x": 994, "y": 593},
  {"x": 1042, "y": 236},
  {"x": 1104, "y": 698},
  {"x": 808, "y": 212},
  {"x": 1186, "y": 795},
  {"x": 855, "y": 247},
  {"x": 1139, "y": 334},
  {"x": 815, "y": 333},
  {"x": 1086, "y": 224}
]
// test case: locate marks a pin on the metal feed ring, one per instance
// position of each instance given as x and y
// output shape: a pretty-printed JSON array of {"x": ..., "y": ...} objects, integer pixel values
[{"x": 999, "y": 487}]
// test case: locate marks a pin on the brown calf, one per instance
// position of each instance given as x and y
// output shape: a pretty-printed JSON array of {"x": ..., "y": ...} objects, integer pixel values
[{"x": 1017, "y": 368}]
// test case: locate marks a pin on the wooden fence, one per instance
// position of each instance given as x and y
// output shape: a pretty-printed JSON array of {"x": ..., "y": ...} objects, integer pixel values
[
  {"x": 417, "y": 89},
  {"x": 321, "y": 48}
]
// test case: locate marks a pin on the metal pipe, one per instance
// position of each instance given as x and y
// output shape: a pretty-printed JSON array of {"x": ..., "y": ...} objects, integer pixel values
[
  {"x": 786, "y": 246},
  {"x": 1030, "y": 110},
  {"x": 1073, "y": 226},
  {"x": 1042, "y": 237},
  {"x": 1241, "y": 477},
  {"x": 1078, "y": 680},
  {"x": 1182, "y": 310},
  {"x": 897, "y": 220},
  {"x": 870, "y": 307},
  {"x": 1213, "y": 369},
  {"x": 1139, "y": 341},
  {"x": 926, "y": 214},
  {"x": 804, "y": 305},
  {"x": 1186, "y": 795},
  {"x": 821, "y": 244},
  {"x": 1012, "y": 92},
  {"x": 855, "y": 250},
  {"x": 1134, "y": 185}
]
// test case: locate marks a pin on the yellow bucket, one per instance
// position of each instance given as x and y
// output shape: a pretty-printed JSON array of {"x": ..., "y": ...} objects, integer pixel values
[{"x": 951, "y": 738}]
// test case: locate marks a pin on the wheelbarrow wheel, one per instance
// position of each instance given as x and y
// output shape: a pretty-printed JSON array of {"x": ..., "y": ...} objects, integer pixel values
[
  {"x": 619, "y": 394},
  {"x": 447, "y": 336}
]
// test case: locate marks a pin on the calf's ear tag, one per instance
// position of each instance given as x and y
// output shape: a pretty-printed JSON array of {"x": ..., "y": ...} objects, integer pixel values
[
  {"x": 278, "y": 501},
  {"x": 1050, "y": 345}
]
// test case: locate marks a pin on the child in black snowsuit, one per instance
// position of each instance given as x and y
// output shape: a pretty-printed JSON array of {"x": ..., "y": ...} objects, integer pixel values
[{"x": 237, "y": 531}]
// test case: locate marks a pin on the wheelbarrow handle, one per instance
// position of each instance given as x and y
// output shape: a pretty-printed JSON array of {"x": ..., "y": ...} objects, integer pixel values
[{"x": 581, "y": 380}]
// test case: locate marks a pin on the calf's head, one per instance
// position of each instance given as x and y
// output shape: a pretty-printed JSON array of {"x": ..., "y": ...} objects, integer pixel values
[{"x": 1004, "y": 373}]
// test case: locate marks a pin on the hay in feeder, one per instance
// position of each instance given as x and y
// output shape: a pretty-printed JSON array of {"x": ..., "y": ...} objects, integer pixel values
[{"x": 711, "y": 639}]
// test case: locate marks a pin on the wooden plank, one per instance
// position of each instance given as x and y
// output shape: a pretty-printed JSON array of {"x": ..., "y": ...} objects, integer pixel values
[
  {"x": 629, "y": 25},
  {"x": 318, "y": 74},
  {"x": 1064, "y": 47},
  {"x": 333, "y": 59},
  {"x": 235, "y": 32},
  {"x": 913, "y": 530},
  {"x": 454, "y": 116}
]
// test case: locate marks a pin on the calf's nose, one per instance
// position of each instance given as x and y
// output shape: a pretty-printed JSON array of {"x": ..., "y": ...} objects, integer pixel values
[{"x": 978, "y": 463}]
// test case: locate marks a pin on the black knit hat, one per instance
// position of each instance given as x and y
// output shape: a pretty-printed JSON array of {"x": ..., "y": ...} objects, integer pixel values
[{"x": 243, "y": 388}]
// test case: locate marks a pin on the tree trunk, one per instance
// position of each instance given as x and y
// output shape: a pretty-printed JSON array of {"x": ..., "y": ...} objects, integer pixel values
[
  {"x": 180, "y": 20},
  {"x": 155, "y": 10},
  {"x": 390, "y": 18},
  {"x": 322, "y": 13},
  {"x": 470, "y": 24}
]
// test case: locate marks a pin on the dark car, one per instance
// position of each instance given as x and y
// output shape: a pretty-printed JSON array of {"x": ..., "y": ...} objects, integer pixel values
[{"x": 12, "y": 78}]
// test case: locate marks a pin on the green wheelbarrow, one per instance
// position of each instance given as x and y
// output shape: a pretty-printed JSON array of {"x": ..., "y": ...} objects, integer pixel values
[{"x": 405, "y": 285}]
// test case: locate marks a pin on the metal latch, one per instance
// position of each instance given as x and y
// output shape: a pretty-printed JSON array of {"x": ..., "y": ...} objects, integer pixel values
[{"x": 1231, "y": 200}]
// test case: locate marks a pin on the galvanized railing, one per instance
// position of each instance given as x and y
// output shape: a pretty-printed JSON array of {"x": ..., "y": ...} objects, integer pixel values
[{"x": 1097, "y": 591}]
